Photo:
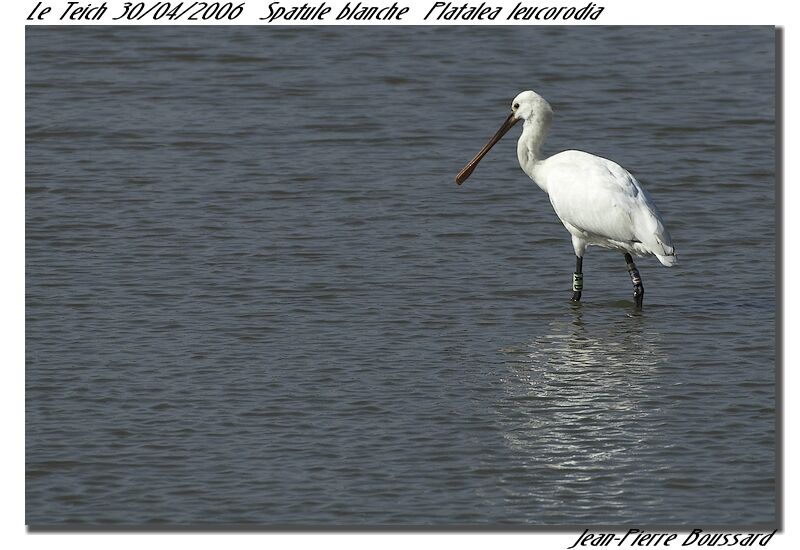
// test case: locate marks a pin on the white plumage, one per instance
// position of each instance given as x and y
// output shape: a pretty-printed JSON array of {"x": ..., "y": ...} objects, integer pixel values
[{"x": 598, "y": 201}]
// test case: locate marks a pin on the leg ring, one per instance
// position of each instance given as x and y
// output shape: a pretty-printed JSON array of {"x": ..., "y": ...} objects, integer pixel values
[{"x": 577, "y": 282}]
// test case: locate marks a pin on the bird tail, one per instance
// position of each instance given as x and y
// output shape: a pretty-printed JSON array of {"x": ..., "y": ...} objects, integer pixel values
[
  {"x": 655, "y": 237},
  {"x": 669, "y": 260}
]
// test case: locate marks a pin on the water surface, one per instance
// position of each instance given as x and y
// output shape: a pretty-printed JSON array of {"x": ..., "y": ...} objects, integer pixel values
[{"x": 254, "y": 294}]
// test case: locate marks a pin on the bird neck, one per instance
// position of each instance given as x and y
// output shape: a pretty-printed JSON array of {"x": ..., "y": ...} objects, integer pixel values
[
  {"x": 529, "y": 148},
  {"x": 530, "y": 143}
]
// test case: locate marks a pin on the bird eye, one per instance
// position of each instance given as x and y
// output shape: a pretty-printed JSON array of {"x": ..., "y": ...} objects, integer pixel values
[{"x": 516, "y": 105}]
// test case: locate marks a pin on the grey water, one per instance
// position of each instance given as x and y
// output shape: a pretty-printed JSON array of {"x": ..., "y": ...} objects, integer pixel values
[{"x": 255, "y": 295}]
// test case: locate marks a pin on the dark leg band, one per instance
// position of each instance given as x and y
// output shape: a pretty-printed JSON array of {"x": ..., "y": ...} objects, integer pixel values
[{"x": 636, "y": 279}]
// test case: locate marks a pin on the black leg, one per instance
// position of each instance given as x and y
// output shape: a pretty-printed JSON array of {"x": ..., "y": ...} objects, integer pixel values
[
  {"x": 636, "y": 279},
  {"x": 577, "y": 279}
]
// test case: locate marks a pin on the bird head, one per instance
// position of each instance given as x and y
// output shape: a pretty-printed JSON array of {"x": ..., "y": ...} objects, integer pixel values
[
  {"x": 531, "y": 106},
  {"x": 528, "y": 106}
]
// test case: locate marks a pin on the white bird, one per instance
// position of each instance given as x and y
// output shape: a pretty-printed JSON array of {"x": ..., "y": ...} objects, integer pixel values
[{"x": 598, "y": 201}]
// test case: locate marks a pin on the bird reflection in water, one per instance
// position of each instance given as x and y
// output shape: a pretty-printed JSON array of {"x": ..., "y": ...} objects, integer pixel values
[{"x": 578, "y": 412}]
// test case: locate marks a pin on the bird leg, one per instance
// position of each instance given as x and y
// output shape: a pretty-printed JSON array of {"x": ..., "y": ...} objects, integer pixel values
[
  {"x": 577, "y": 279},
  {"x": 636, "y": 279}
]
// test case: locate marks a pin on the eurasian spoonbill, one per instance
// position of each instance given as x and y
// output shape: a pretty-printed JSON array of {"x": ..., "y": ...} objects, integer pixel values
[{"x": 598, "y": 201}]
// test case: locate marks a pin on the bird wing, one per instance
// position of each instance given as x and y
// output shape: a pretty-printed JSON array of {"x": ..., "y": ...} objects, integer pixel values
[{"x": 600, "y": 197}]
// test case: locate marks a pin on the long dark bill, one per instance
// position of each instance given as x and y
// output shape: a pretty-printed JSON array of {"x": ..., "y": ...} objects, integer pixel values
[{"x": 467, "y": 171}]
